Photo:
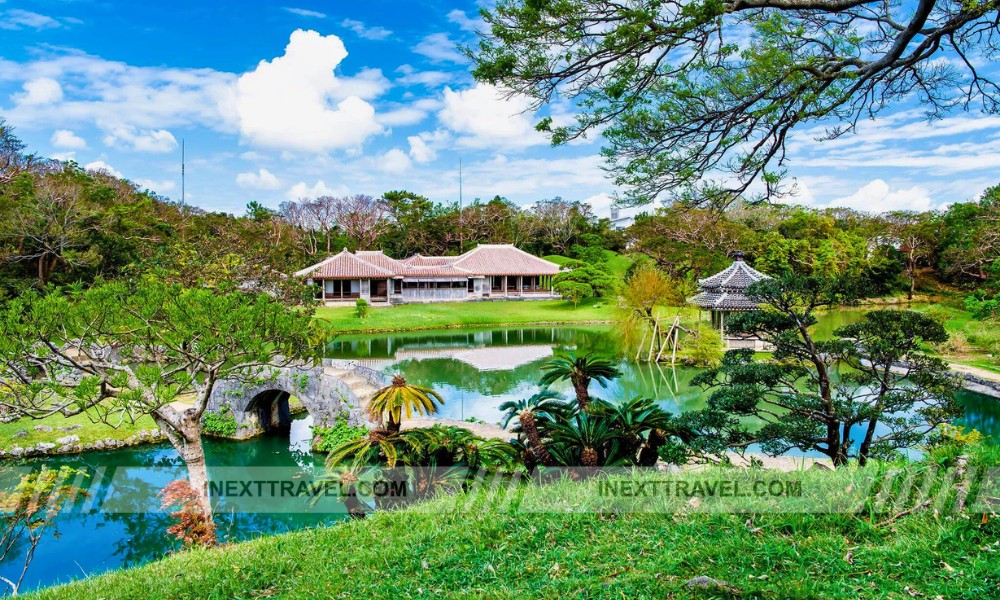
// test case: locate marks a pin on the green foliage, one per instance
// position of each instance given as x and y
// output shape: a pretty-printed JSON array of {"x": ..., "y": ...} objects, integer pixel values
[
  {"x": 219, "y": 424},
  {"x": 795, "y": 395},
  {"x": 393, "y": 401},
  {"x": 574, "y": 291},
  {"x": 330, "y": 438},
  {"x": 580, "y": 371},
  {"x": 361, "y": 308},
  {"x": 591, "y": 279},
  {"x": 703, "y": 349},
  {"x": 983, "y": 306}
]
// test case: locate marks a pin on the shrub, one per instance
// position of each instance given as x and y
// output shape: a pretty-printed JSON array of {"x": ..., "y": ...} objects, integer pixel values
[
  {"x": 220, "y": 424},
  {"x": 574, "y": 291},
  {"x": 362, "y": 308},
  {"x": 949, "y": 441},
  {"x": 705, "y": 348},
  {"x": 328, "y": 438}
]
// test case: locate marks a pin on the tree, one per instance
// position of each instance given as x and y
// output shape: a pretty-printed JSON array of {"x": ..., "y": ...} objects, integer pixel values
[
  {"x": 580, "y": 371},
  {"x": 51, "y": 225},
  {"x": 796, "y": 396},
  {"x": 390, "y": 402},
  {"x": 574, "y": 291},
  {"x": 13, "y": 159},
  {"x": 916, "y": 236},
  {"x": 121, "y": 350},
  {"x": 362, "y": 218},
  {"x": 697, "y": 99},
  {"x": 545, "y": 403}
]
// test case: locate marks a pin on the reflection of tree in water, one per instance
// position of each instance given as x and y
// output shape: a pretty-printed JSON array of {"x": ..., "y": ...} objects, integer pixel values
[
  {"x": 439, "y": 372},
  {"x": 981, "y": 414}
]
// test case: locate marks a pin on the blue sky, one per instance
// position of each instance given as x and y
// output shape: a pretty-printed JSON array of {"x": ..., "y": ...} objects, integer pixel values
[{"x": 281, "y": 101}]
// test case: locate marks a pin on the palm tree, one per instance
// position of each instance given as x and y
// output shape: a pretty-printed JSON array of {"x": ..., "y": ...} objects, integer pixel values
[
  {"x": 390, "y": 402},
  {"x": 641, "y": 423},
  {"x": 545, "y": 404},
  {"x": 580, "y": 371},
  {"x": 587, "y": 441}
]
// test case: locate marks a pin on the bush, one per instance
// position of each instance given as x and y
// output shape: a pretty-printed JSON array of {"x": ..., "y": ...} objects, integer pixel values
[
  {"x": 219, "y": 424},
  {"x": 574, "y": 291},
  {"x": 328, "y": 438},
  {"x": 705, "y": 349},
  {"x": 362, "y": 308},
  {"x": 982, "y": 306}
]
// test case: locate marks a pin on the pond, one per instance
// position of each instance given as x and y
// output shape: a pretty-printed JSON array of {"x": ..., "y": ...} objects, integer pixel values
[{"x": 475, "y": 370}]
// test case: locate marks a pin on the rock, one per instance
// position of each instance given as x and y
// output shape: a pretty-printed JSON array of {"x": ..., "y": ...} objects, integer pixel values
[
  {"x": 68, "y": 448},
  {"x": 155, "y": 434},
  {"x": 98, "y": 445},
  {"x": 21, "y": 434},
  {"x": 69, "y": 428},
  {"x": 44, "y": 446},
  {"x": 707, "y": 583},
  {"x": 69, "y": 439},
  {"x": 44, "y": 428},
  {"x": 16, "y": 451}
]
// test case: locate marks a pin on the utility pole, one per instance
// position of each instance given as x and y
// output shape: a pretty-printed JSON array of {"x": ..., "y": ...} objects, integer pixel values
[
  {"x": 461, "y": 230},
  {"x": 183, "y": 190}
]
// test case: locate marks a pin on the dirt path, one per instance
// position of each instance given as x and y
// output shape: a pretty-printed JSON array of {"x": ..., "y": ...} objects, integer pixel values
[{"x": 977, "y": 371}]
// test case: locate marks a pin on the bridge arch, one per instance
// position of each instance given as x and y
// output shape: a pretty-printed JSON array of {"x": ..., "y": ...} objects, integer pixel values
[{"x": 261, "y": 404}]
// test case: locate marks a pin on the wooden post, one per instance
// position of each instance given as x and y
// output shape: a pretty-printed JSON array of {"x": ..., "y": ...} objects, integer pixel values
[
  {"x": 505, "y": 285},
  {"x": 652, "y": 342}
]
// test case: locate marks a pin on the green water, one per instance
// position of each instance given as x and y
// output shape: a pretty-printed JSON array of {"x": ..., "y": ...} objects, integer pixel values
[{"x": 475, "y": 370}]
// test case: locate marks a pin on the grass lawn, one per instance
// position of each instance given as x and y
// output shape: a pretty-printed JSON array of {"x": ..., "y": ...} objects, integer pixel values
[
  {"x": 550, "y": 548},
  {"x": 88, "y": 432},
  {"x": 342, "y": 319},
  {"x": 617, "y": 263},
  {"x": 972, "y": 341}
]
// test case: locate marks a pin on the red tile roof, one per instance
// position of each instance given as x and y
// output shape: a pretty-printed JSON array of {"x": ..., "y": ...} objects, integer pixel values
[
  {"x": 484, "y": 260},
  {"x": 344, "y": 266},
  {"x": 504, "y": 259}
]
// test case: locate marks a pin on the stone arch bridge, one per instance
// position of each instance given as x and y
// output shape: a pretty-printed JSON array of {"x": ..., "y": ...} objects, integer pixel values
[{"x": 326, "y": 392}]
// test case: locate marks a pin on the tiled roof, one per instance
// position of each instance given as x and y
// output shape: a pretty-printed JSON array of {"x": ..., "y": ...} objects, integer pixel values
[
  {"x": 344, "y": 266},
  {"x": 726, "y": 290},
  {"x": 504, "y": 259},
  {"x": 481, "y": 261},
  {"x": 379, "y": 259},
  {"x": 735, "y": 277},
  {"x": 419, "y": 260}
]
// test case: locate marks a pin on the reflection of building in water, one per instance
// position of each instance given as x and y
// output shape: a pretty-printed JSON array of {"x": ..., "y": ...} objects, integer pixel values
[{"x": 494, "y": 358}]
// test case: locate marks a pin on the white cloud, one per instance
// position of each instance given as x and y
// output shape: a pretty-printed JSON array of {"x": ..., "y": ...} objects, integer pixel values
[
  {"x": 369, "y": 33},
  {"x": 486, "y": 118},
  {"x": 43, "y": 90},
  {"x": 420, "y": 151},
  {"x": 876, "y": 197},
  {"x": 287, "y": 102},
  {"x": 159, "y": 187},
  {"x": 440, "y": 48},
  {"x": 63, "y": 156},
  {"x": 461, "y": 19},
  {"x": 64, "y": 138},
  {"x": 301, "y": 190},
  {"x": 100, "y": 165},
  {"x": 25, "y": 19},
  {"x": 429, "y": 79},
  {"x": 394, "y": 161},
  {"x": 157, "y": 141},
  {"x": 304, "y": 12},
  {"x": 261, "y": 180}
]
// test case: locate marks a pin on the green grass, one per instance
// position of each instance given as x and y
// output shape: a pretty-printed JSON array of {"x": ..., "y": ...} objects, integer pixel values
[
  {"x": 88, "y": 432},
  {"x": 342, "y": 319},
  {"x": 973, "y": 342},
  {"x": 548, "y": 548}
]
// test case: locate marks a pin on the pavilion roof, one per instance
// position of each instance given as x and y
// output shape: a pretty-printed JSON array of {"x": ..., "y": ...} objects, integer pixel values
[{"x": 726, "y": 290}]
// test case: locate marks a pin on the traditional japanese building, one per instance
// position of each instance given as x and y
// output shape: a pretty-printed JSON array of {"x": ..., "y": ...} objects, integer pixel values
[
  {"x": 487, "y": 272},
  {"x": 725, "y": 293}
]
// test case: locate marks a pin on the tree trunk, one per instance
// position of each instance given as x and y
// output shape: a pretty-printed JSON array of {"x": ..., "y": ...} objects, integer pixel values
[
  {"x": 581, "y": 386},
  {"x": 184, "y": 432},
  {"x": 913, "y": 280},
  {"x": 538, "y": 450}
]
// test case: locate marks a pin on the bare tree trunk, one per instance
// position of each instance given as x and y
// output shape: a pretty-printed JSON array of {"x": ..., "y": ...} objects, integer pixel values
[{"x": 184, "y": 432}]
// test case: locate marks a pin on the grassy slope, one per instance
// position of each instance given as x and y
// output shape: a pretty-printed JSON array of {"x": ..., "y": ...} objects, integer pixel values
[
  {"x": 89, "y": 432},
  {"x": 969, "y": 338},
  {"x": 468, "y": 314},
  {"x": 434, "y": 550}
]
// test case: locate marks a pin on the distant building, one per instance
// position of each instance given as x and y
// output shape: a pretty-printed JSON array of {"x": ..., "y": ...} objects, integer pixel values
[
  {"x": 487, "y": 272},
  {"x": 724, "y": 293}
]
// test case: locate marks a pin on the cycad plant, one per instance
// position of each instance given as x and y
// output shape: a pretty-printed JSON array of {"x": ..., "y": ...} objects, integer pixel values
[
  {"x": 546, "y": 406},
  {"x": 580, "y": 371},
  {"x": 390, "y": 402},
  {"x": 587, "y": 441}
]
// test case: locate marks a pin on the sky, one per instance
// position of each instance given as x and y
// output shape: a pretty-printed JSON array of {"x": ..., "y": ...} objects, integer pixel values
[{"x": 277, "y": 102}]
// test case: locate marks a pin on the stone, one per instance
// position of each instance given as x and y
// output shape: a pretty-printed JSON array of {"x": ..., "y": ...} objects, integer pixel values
[
  {"x": 155, "y": 433},
  {"x": 16, "y": 451},
  {"x": 21, "y": 434},
  {"x": 707, "y": 583},
  {"x": 44, "y": 428},
  {"x": 69, "y": 439},
  {"x": 98, "y": 445},
  {"x": 44, "y": 446},
  {"x": 68, "y": 428}
]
